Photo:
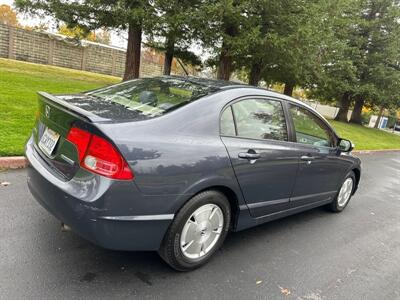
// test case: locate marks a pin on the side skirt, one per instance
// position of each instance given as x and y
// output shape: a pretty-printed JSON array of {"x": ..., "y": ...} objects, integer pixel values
[{"x": 246, "y": 221}]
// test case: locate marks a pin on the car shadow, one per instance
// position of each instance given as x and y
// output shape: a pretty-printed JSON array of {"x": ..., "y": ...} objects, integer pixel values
[{"x": 88, "y": 263}]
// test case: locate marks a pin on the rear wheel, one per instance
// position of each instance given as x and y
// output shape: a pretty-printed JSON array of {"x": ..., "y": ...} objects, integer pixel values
[
  {"x": 344, "y": 194},
  {"x": 197, "y": 231}
]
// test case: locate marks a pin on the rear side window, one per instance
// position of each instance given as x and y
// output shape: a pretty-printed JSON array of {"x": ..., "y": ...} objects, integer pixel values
[
  {"x": 227, "y": 123},
  {"x": 310, "y": 129},
  {"x": 257, "y": 119}
]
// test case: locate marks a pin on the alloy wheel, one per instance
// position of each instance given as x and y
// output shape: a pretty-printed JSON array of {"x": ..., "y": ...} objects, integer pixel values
[
  {"x": 202, "y": 231},
  {"x": 345, "y": 192}
]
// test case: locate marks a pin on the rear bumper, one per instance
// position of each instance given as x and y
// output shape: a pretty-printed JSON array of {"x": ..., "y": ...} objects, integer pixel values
[{"x": 98, "y": 221}]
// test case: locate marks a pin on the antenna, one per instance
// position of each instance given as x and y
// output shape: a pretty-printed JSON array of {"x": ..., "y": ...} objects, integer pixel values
[{"x": 183, "y": 67}]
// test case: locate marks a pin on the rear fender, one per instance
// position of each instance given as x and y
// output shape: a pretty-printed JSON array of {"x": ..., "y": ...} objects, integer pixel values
[{"x": 210, "y": 183}]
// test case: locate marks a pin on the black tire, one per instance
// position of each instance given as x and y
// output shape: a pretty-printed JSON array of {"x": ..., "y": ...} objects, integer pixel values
[
  {"x": 170, "y": 249},
  {"x": 334, "y": 205}
]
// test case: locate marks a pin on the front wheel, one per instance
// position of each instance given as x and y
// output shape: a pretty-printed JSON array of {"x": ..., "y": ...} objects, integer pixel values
[
  {"x": 197, "y": 231},
  {"x": 344, "y": 194}
]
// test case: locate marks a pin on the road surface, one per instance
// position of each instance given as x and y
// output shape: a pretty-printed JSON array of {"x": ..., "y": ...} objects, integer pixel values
[{"x": 312, "y": 255}]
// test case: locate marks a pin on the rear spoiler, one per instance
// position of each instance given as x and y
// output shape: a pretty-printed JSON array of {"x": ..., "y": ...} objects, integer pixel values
[{"x": 72, "y": 109}]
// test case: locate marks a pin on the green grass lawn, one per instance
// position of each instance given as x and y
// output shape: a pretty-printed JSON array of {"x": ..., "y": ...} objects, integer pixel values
[
  {"x": 19, "y": 82},
  {"x": 367, "y": 138}
]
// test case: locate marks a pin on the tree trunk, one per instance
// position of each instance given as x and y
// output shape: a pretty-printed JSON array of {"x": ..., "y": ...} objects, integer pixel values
[
  {"x": 255, "y": 74},
  {"x": 379, "y": 117},
  {"x": 356, "y": 114},
  {"x": 169, "y": 56},
  {"x": 132, "y": 64},
  {"x": 225, "y": 58},
  {"x": 289, "y": 87},
  {"x": 168, "y": 63},
  {"x": 225, "y": 64},
  {"x": 344, "y": 108}
]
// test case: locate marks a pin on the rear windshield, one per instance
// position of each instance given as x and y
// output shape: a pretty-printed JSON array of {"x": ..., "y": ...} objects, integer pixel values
[{"x": 142, "y": 99}]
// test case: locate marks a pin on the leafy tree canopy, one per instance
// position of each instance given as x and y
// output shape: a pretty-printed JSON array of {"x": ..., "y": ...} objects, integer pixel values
[{"x": 8, "y": 16}]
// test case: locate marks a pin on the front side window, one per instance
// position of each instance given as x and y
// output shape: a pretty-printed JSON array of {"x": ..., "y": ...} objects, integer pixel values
[
  {"x": 260, "y": 119},
  {"x": 310, "y": 129}
]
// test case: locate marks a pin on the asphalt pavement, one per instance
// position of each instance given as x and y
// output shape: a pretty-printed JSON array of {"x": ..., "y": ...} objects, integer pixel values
[{"x": 312, "y": 255}]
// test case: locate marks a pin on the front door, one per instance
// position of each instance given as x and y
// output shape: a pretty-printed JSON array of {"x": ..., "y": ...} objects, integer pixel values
[
  {"x": 320, "y": 166},
  {"x": 255, "y": 134}
]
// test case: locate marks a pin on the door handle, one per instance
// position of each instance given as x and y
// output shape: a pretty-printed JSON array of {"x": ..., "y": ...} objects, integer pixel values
[
  {"x": 249, "y": 155},
  {"x": 307, "y": 158}
]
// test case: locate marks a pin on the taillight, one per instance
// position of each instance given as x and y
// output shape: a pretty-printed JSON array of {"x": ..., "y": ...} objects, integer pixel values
[
  {"x": 81, "y": 139},
  {"x": 98, "y": 155}
]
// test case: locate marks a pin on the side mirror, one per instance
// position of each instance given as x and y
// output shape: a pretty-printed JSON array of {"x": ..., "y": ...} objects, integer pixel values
[{"x": 345, "y": 145}]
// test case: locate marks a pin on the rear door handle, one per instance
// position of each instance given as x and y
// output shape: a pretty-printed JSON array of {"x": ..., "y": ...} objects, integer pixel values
[
  {"x": 307, "y": 158},
  {"x": 247, "y": 155}
]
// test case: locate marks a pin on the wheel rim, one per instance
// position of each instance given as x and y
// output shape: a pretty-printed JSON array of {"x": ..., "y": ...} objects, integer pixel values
[
  {"x": 345, "y": 192},
  {"x": 202, "y": 231}
]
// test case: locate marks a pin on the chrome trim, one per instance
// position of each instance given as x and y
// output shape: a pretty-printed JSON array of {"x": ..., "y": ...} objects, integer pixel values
[
  {"x": 139, "y": 218},
  {"x": 67, "y": 160}
]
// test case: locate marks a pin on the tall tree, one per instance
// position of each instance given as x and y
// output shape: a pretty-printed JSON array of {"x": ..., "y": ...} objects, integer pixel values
[
  {"x": 301, "y": 48},
  {"x": 280, "y": 41},
  {"x": 172, "y": 31},
  {"x": 388, "y": 82},
  {"x": 131, "y": 15},
  {"x": 364, "y": 65},
  {"x": 219, "y": 24},
  {"x": 254, "y": 47},
  {"x": 378, "y": 36},
  {"x": 337, "y": 79}
]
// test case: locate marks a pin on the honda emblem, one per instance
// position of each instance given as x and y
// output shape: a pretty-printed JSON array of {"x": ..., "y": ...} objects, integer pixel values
[{"x": 47, "y": 111}]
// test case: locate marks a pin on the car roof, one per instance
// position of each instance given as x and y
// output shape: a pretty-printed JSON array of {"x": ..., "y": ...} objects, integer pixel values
[
  {"x": 229, "y": 85},
  {"x": 226, "y": 85},
  {"x": 215, "y": 83},
  {"x": 222, "y": 85}
]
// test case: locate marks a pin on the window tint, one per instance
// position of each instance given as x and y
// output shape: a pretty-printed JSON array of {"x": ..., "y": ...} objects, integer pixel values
[
  {"x": 260, "y": 119},
  {"x": 227, "y": 124},
  {"x": 309, "y": 128}
]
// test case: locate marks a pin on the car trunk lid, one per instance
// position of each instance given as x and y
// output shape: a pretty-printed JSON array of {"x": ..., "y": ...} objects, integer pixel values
[{"x": 54, "y": 120}]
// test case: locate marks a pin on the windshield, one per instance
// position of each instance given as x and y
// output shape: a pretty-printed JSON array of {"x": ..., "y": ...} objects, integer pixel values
[{"x": 146, "y": 98}]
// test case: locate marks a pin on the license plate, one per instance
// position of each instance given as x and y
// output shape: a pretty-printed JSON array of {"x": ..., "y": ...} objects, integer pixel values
[{"x": 48, "y": 141}]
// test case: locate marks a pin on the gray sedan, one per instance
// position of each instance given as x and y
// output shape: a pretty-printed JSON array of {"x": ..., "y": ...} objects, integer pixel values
[{"x": 172, "y": 164}]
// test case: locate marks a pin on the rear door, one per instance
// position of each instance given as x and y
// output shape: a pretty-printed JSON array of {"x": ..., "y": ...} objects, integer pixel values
[
  {"x": 255, "y": 133},
  {"x": 320, "y": 166}
]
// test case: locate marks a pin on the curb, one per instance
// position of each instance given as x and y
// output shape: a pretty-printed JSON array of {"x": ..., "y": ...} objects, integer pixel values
[
  {"x": 13, "y": 162},
  {"x": 375, "y": 151}
]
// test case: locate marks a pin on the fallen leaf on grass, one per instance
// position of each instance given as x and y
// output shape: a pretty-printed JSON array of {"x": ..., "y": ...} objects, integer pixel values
[{"x": 4, "y": 183}]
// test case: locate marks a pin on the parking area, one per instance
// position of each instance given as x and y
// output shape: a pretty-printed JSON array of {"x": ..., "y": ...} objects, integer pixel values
[{"x": 312, "y": 255}]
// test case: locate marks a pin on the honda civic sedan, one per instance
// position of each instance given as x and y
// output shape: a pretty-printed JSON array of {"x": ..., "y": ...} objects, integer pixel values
[{"x": 172, "y": 164}]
